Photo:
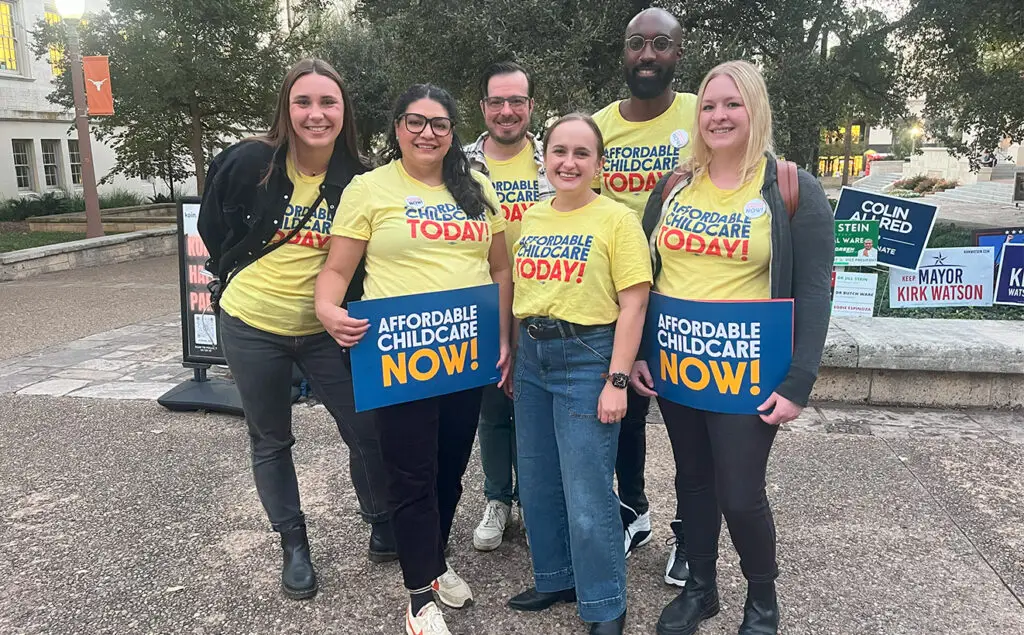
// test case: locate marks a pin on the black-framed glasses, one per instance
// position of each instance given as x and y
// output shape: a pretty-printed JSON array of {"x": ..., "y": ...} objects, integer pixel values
[
  {"x": 661, "y": 43},
  {"x": 515, "y": 102},
  {"x": 416, "y": 123}
]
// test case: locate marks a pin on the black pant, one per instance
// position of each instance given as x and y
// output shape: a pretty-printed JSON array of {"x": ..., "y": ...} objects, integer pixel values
[
  {"x": 261, "y": 364},
  {"x": 720, "y": 469},
  {"x": 426, "y": 446},
  {"x": 632, "y": 456}
]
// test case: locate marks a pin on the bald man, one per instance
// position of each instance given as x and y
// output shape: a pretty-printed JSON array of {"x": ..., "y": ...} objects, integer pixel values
[{"x": 645, "y": 136}]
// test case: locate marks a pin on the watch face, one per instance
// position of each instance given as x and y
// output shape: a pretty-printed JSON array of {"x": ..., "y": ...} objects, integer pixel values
[{"x": 620, "y": 380}]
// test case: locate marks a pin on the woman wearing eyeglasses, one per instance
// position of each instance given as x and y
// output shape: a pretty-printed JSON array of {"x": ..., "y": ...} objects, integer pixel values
[{"x": 425, "y": 444}]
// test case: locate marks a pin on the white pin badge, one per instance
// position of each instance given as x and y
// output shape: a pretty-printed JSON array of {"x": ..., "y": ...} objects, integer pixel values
[
  {"x": 755, "y": 208},
  {"x": 414, "y": 202},
  {"x": 679, "y": 138}
]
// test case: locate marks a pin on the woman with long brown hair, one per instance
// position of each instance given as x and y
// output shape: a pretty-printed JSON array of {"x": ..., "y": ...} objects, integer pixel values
[{"x": 266, "y": 220}]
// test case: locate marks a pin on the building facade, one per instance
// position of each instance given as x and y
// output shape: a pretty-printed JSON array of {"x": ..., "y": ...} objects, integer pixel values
[{"x": 38, "y": 143}]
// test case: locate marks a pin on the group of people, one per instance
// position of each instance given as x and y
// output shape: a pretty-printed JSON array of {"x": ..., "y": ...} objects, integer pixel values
[{"x": 568, "y": 227}]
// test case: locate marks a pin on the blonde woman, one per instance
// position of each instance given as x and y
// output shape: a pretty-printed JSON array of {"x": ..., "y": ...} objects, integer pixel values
[{"x": 721, "y": 459}]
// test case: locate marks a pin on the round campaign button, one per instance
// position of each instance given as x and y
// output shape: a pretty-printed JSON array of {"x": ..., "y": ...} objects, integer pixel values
[
  {"x": 414, "y": 202},
  {"x": 755, "y": 208},
  {"x": 679, "y": 138}
]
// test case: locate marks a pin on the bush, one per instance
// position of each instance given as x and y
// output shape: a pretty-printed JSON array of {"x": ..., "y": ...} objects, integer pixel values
[
  {"x": 904, "y": 193},
  {"x": 161, "y": 198},
  {"x": 924, "y": 185},
  {"x": 18, "y": 209}
]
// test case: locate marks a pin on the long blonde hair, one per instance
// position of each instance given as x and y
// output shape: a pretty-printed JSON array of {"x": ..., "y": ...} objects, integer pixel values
[{"x": 754, "y": 93}]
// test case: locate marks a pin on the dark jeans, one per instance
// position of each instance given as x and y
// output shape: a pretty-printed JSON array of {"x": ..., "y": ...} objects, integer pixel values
[
  {"x": 720, "y": 469},
  {"x": 632, "y": 457},
  {"x": 497, "y": 435},
  {"x": 426, "y": 446},
  {"x": 261, "y": 364}
]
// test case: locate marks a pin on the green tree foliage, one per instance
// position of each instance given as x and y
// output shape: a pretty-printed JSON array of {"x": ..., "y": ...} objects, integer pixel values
[
  {"x": 967, "y": 57},
  {"x": 186, "y": 76}
]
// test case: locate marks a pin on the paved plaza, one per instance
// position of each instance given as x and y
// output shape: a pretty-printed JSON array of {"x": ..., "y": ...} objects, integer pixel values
[{"x": 118, "y": 516}]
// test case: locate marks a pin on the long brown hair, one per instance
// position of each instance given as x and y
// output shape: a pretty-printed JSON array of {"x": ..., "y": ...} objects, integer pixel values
[{"x": 281, "y": 133}]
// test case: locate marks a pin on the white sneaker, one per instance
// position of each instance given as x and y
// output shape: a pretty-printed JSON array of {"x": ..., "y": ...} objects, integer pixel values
[
  {"x": 488, "y": 534},
  {"x": 637, "y": 532},
  {"x": 453, "y": 590},
  {"x": 428, "y": 621}
]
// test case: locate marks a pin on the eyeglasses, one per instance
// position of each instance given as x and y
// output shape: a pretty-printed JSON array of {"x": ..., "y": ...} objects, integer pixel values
[
  {"x": 661, "y": 43},
  {"x": 415, "y": 123},
  {"x": 516, "y": 102}
]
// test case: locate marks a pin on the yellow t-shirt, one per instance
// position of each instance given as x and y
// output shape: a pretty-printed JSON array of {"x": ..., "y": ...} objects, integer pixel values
[
  {"x": 515, "y": 181},
  {"x": 716, "y": 244},
  {"x": 571, "y": 265},
  {"x": 275, "y": 293},
  {"x": 418, "y": 239},
  {"x": 638, "y": 153}
]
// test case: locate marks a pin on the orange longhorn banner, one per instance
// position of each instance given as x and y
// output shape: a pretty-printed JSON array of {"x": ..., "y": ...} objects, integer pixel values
[{"x": 97, "y": 85}]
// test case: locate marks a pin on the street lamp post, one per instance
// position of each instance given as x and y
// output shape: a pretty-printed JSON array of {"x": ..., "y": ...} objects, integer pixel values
[
  {"x": 915, "y": 132},
  {"x": 71, "y": 12}
]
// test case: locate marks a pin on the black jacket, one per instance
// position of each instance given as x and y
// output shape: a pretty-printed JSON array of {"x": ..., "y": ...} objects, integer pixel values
[
  {"x": 800, "y": 268},
  {"x": 239, "y": 217}
]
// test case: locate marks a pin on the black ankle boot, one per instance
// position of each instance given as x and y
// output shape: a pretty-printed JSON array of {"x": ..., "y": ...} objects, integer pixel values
[
  {"x": 382, "y": 542},
  {"x": 298, "y": 580},
  {"x": 761, "y": 610},
  {"x": 613, "y": 627},
  {"x": 697, "y": 602},
  {"x": 534, "y": 600}
]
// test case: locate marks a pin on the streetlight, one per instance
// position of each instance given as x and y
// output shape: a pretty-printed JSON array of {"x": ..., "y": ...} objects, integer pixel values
[
  {"x": 915, "y": 132},
  {"x": 71, "y": 11}
]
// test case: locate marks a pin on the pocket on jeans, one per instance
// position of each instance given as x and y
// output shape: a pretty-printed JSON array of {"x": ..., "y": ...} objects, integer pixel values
[{"x": 597, "y": 348}]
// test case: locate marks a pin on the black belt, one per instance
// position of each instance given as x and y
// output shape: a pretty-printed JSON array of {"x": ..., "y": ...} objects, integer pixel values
[{"x": 552, "y": 329}]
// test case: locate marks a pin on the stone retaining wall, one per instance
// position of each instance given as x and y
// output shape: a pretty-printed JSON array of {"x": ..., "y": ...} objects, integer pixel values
[
  {"x": 117, "y": 219},
  {"x": 90, "y": 252}
]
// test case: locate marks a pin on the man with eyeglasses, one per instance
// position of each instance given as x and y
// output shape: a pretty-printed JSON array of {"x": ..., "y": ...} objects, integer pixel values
[
  {"x": 645, "y": 137},
  {"x": 513, "y": 159}
]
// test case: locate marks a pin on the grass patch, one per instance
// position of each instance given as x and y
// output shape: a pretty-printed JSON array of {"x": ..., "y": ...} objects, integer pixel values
[{"x": 13, "y": 241}]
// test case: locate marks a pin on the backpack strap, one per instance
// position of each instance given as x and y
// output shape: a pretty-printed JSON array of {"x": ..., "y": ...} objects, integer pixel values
[
  {"x": 789, "y": 185},
  {"x": 674, "y": 178}
]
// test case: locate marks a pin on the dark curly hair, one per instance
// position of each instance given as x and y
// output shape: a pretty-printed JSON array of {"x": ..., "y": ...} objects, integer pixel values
[{"x": 455, "y": 170}]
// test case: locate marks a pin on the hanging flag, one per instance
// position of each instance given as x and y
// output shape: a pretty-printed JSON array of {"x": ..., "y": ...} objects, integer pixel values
[{"x": 97, "y": 85}]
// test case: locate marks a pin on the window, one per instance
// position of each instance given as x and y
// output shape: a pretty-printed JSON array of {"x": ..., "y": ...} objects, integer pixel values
[
  {"x": 23, "y": 163},
  {"x": 52, "y": 17},
  {"x": 51, "y": 162},
  {"x": 8, "y": 41},
  {"x": 75, "y": 158}
]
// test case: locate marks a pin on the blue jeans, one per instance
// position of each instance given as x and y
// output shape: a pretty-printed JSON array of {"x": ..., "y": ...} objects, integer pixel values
[
  {"x": 566, "y": 468},
  {"x": 497, "y": 433}
]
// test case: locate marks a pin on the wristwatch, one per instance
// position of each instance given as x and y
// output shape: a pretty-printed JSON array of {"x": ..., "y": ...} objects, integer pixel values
[{"x": 619, "y": 380}]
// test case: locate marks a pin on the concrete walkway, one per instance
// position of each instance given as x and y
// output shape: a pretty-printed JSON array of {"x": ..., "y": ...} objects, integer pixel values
[{"x": 122, "y": 517}]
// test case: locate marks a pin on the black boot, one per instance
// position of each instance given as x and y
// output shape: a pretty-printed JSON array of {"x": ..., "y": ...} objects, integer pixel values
[
  {"x": 613, "y": 627},
  {"x": 761, "y": 610},
  {"x": 697, "y": 602},
  {"x": 382, "y": 542},
  {"x": 297, "y": 576},
  {"x": 534, "y": 600}
]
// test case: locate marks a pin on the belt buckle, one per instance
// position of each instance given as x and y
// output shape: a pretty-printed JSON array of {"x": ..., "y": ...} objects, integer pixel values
[{"x": 531, "y": 329}]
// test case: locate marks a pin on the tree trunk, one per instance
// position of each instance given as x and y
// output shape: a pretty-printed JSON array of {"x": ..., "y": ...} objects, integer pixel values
[
  {"x": 196, "y": 146},
  {"x": 847, "y": 142}
]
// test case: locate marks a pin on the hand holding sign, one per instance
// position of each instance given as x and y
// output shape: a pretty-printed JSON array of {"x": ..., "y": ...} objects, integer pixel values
[
  {"x": 777, "y": 410},
  {"x": 346, "y": 330},
  {"x": 641, "y": 380}
]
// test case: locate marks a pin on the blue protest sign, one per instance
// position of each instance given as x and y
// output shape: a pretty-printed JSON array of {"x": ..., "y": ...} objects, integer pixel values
[
  {"x": 1010, "y": 281},
  {"x": 425, "y": 345},
  {"x": 904, "y": 225},
  {"x": 718, "y": 356}
]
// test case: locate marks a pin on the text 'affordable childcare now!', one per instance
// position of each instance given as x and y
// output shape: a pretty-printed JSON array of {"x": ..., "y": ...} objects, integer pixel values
[
  {"x": 425, "y": 345},
  {"x": 718, "y": 356}
]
